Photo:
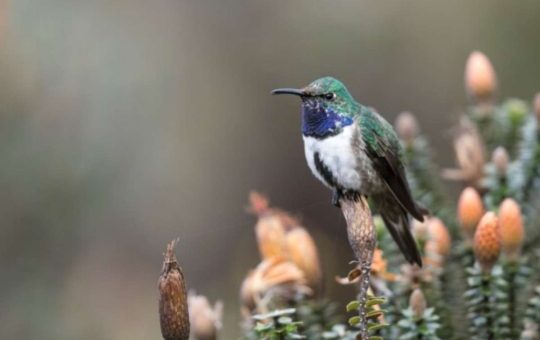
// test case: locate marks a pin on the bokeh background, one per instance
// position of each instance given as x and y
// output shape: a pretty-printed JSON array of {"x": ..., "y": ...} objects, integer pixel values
[{"x": 125, "y": 124}]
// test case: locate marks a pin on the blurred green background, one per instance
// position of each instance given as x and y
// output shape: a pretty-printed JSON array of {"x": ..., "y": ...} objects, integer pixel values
[{"x": 125, "y": 124}]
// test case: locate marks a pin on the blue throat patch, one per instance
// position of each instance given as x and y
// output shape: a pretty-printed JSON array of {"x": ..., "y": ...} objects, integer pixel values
[{"x": 321, "y": 122}]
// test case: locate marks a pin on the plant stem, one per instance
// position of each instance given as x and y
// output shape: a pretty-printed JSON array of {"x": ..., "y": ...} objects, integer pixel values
[
  {"x": 362, "y": 238},
  {"x": 486, "y": 280}
]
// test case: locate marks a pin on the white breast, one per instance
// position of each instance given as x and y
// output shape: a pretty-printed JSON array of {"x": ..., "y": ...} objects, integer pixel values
[{"x": 337, "y": 154}]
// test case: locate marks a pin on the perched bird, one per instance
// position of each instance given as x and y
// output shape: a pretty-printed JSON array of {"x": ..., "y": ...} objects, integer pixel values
[{"x": 354, "y": 151}]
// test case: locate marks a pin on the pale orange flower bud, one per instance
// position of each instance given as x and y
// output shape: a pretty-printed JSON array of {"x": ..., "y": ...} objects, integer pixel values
[
  {"x": 440, "y": 236},
  {"x": 271, "y": 237},
  {"x": 420, "y": 230},
  {"x": 511, "y": 228},
  {"x": 470, "y": 210},
  {"x": 417, "y": 302},
  {"x": 487, "y": 243},
  {"x": 303, "y": 252},
  {"x": 406, "y": 127},
  {"x": 500, "y": 159},
  {"x": 480, "y": 77}
]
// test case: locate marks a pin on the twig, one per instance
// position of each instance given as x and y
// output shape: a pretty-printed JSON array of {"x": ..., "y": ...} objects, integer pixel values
[{"x": 362, "y": 238}]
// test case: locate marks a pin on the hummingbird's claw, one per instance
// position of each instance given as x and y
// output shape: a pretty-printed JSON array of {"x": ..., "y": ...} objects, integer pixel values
[{"x": 336, "y": 196}]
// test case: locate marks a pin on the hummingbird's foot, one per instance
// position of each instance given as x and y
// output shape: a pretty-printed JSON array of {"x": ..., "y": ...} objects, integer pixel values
[{"x": 336, "y": 196}]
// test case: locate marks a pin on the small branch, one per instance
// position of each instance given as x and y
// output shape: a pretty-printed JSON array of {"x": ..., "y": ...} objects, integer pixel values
[{"x": 362, "y": 238}]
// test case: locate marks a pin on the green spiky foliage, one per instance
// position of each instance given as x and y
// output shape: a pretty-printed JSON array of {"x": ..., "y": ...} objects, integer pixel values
[
  {"x": 423, "y": 327},
  {"x": 500, "y": 125},
  {"x": 374, "y": 314},
  {"x": 531, "y": 321},
  {"x": 276, "y": 325},
  {"x": 318, "y": 317},
  {"x": 425, "y": 182}
]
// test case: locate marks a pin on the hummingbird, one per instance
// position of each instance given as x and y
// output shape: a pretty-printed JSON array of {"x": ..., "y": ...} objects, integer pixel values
[{"x": 355, "y": 152}]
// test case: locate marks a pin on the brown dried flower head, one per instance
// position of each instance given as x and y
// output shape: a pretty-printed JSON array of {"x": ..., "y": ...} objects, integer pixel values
[
  {"x": 173, "y": 305},
  {"x": 511, "y": 228},
  {"x": 470, "y": 154},
  {"x": 272, "y": 278},
  {"x": 470, "y": 210},
  {"x": 500, "y": 159},
  {"x": 487, "y": 243},
  {"x": 205, "y": 320},
  {"x": 406, "y": 127},
  {"x": 417, "y": 302},
  {"x": 480, "y": 77},
  {"x": 303, "y": 252}
]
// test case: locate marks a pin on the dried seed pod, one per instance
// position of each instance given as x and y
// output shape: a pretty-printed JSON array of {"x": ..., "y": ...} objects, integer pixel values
[
  {"x": 417, "y": 302},
  {"x": 173, "y": 306},
  {"x": 470, "y": 210},
  {"x": 275, "y": 276},
  {"x": 303, "y": 252},
  {"x": 480, "y": 77},
  {"x": 406, "y": 127},
  {"x": 487, "y": 243},
  {"x": 470, "y": 154},
  {"x": 500, "y": 159},
  {"x": 205, "y": 320},
  {"x": 511, "y": 228}
]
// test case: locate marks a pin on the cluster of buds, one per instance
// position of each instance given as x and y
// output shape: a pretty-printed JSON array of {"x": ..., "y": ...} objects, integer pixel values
[
  {"x": 480, "y": 78},
  {"x": 205, "y": 319},
  {"x": 470, "y": 210},
  {"x": 488, "y": 233},
  {"x": 290, "y": 261}
]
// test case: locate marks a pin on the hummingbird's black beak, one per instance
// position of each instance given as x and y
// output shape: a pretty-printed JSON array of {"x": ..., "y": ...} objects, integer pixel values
[{"x": 296, "y": 92}]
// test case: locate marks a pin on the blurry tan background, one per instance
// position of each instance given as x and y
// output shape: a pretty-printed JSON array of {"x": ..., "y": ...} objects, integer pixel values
[{"x": 124, "y": 124}]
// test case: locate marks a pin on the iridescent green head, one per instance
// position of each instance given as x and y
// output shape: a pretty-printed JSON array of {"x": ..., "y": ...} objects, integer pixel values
[{"x": 327, "y": 106}]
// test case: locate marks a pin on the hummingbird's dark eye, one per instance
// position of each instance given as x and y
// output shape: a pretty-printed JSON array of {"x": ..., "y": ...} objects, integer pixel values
[{"x": 330, "y": 96}]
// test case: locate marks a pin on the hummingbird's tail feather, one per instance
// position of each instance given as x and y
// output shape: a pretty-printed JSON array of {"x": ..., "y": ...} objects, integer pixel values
[{"x": 397, "y": 222}]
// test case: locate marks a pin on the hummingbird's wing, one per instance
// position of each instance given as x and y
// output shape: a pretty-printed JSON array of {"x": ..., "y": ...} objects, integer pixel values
[{"x": 384, "y": 150}]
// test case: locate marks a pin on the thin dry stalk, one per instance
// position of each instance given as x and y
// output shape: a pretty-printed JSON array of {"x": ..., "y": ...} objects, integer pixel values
[{"x": 362, "y": 238}]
